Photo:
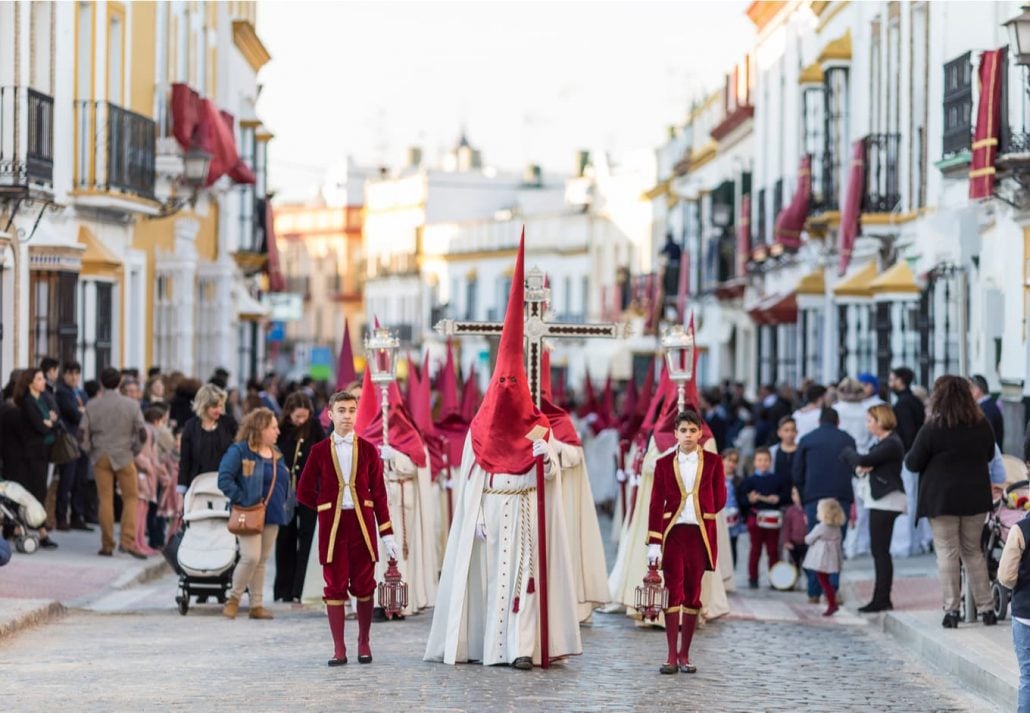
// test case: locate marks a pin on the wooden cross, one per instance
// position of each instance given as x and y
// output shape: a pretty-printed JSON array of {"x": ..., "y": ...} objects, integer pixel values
[{"x": 535, "y": 329}]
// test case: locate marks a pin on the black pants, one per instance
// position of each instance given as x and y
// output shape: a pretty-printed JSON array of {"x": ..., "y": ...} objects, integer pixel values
[
  {"x": 292, "y": 548},
  {"x": 71, "y": 489},
  {"x": 881, "y": 528}
]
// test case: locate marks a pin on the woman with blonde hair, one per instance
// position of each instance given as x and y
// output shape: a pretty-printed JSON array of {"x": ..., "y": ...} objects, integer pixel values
[
  {"x": 824, "y": 548},
  {"x": 252, "y": 472},
  {"x": 206, "y": 436},
  {"x": 883, "y": 491}
]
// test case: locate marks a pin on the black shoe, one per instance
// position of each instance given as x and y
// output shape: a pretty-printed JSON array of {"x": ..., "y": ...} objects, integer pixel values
[
  {"x": 378, "y": 614},
  {"x": 668, "y": 668},
  {"x": 989, "y": 618},
  {"x": 365, "y": 659},
  {"x": 63, "y": 527},
  {"x": 873, "y": 607},
  {"x": 338, "y": 662},
  {"x": 688, "y": 668},
  {"x": 47, "y": 544},
  {"x": 752, "y": 584},
  {"x": 522, "y": 663},
  {"x": 951, "y": 620}
]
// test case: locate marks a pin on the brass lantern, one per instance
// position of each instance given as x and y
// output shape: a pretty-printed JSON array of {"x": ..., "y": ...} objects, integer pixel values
[
  {"x": 393, "y": 591},
  {"x": 650, "y": 598},
  {"x": 679, "y": 357},
  {"x": 381, "y": 355}
]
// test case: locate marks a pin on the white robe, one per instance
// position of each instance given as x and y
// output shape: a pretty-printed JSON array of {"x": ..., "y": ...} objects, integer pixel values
[
  {"x": 589, "y": 569},
  {"x": 402, "y": 495},
  {"x": 601, "y": 453},
  {"x": 474, "y": 618}
]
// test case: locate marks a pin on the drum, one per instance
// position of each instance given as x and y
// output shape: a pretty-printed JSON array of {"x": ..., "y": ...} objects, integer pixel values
[
  {"x": 783, "y": 576},
  {"x": 732, "y": 517},
  {"x": 769, "y": 519}
]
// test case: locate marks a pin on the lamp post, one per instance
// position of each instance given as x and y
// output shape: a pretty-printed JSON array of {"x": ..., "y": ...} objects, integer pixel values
[
  {"x": 1019, "y": 36},
  {"x": 381, "y": 357},
  {"x": 679, "y": 357},
  {"x": 196, "y": 163}
]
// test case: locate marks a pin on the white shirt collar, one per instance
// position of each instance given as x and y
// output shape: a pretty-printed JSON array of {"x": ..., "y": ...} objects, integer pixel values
[
  {"x": 338, "y": 439},
  {"x": 689, "y": 457}
]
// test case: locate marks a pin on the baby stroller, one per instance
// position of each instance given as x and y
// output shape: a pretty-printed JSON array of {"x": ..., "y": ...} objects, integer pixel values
[
  {"x": 1007, "y": 510},
  {"x": 20, "y": 515},
  {"x": 207, "y": 554}
]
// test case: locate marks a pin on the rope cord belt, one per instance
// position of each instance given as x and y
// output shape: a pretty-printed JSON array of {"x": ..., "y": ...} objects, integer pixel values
[{"x": 526, "y": 543}]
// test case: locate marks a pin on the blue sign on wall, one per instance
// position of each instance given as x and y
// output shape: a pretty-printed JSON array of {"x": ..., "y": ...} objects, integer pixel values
[{"x": 277, "y": 332}]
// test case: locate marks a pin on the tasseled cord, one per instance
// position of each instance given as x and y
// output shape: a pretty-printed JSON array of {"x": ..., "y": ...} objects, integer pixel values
[
  {"x": 531, "y": 587},
  {"x": 515, "y": 605}
]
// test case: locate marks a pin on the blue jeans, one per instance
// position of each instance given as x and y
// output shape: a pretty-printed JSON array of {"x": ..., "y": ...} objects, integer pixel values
[
  {"x": 1021, "y": 639},
  {"x": 814, "y": 590}
]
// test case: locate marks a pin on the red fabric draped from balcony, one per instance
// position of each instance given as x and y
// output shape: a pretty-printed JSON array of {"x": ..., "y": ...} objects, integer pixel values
[
  {"x": 276, "y": 281},
  {"x": 777, "y": 309},
  {"x": 198, "y": 122},
  {"x": 791, "y": 220},
  {"x": 744, "y": 235},
  {"x": 988, "y": 124},
  {"x": 851, "y": 211}
]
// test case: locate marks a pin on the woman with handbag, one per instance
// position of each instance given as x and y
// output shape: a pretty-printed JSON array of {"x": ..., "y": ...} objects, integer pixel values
[
  {"x": 255, "y": 480},
  {"x": 879, "y": 473},
  {"x": 298, "y": 431},
  {"x": 39, "y": 427}
]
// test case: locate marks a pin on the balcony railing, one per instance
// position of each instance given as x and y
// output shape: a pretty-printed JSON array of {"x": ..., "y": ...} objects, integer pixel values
[
  {"x": 115, "y": 149},
  {"x": 828, "y": 197},
  {"x": 26, "y": 138},
  {"x": 882, "y": 185}
]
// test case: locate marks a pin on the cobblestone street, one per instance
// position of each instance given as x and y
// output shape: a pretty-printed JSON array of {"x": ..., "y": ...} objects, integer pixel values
[{"x": 132, "y": 651}]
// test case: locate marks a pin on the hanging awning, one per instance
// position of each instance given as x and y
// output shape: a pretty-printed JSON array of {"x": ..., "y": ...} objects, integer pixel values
[
  {"x": 776, "y": 309},
  {"x": 896, "y": 280},
  {"x": 814, "y": 283},
  {"x": 198, "y": 122},
  {"x": 249, "y": 309},
  {"x": 791, "y": 220},
  {"x": 988, "y": 124},
  {"x": 839, "y": 50},
  {"x": 97, "y": 260},
  {"x": 851, "y": 211},
  {"x": 859, "y": 284},
  {"x": 812, "y": 74}
]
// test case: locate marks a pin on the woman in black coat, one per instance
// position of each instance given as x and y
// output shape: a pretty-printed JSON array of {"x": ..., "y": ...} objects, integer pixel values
[
  {"x": 952, "y": 453},
  {"x": 885, "y": 498},
  {"x": 39, "y": 431},
  {"x": 298, "y": 431},
  {"x": 206, "y": 436}
]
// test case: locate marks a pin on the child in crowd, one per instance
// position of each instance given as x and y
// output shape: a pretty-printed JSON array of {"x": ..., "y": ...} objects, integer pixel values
[
  {"x": 147, "y": 467},
  {"x": 824, "y": 548},
  {"x": 783, "y": 452},
  {"x": 734, "y": 520},
  {"x": 169, "y": 501},
  {"x": 794, "y": 528},
  {"x": 762, "y": 495}
]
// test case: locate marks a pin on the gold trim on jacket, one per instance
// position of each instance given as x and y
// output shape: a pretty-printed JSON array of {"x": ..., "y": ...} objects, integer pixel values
[{"x": 695, "y": 496}]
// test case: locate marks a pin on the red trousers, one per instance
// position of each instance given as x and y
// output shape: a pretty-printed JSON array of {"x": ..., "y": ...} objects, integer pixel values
[
  {"x": 352, "y": 567},
  {"x": 684, "y": 560},
  {"x": 761, "y": 537}
]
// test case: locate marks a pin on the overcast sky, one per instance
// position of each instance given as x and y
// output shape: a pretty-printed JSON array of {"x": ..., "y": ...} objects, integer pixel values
[{"x": 531, "y": 82}]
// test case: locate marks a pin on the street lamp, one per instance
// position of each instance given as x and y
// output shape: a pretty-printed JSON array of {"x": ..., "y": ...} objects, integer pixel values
[
  {"x": 381, "y": 357},
  {"x": 1019, "y": 36},
  {"x": 196, "y": 163},
  {"x": 679, "y": 357}
]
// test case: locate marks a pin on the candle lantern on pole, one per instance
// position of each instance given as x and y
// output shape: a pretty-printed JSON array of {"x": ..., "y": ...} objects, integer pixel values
[
  {"x": 651, "y": 598},
  {"x": 679, "y": 357}
]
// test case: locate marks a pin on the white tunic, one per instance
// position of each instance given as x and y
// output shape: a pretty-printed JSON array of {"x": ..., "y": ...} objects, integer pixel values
[{"x": 474, "y": 619}]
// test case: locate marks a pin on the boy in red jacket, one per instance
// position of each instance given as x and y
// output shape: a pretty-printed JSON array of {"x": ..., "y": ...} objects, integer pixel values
[
  {"x": 689, "y": 490},
  {"x": 343, "y": 482}
]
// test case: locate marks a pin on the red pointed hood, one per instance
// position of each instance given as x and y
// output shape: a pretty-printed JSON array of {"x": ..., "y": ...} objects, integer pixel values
[
  {"x": 561, "y": 424},
  {"x": 404, "y": 437},
  {"x": 447, "y": 385},
  {"x": 470, "y": 396},
  {"x": 508, "y": 413},
  {"x": 345, "y": 373},
  {"x": 422, "y": 414},
  {"x": 590, "y": 398},
  {"x": 412, "y": 387},
  {"x": 608, "y": 404}
]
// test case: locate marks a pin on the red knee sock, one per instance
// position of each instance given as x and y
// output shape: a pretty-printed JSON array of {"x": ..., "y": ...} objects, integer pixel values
[
  {"x": 337, "y": 618},
  {"x": 364, "y": 625},
  {"x": 689, "y": 622},
  {"x": 672, "y": 632},
  {"x": 828, "y": 590}
]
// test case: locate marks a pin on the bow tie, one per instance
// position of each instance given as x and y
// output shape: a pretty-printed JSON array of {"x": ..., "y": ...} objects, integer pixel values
[{"x": 349, "y": 438}]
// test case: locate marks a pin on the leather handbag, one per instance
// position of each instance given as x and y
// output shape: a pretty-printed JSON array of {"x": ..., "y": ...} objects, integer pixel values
[
  {"x": 64, "y": 449},
  {"x": 250, "y": 519}
]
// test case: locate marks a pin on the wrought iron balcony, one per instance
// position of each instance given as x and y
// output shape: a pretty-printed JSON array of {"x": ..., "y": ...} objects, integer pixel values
[
  {"x": 882, "y": 186},
  {"x": 26, "y": 139},
  {"x": 115, "y": 149}
]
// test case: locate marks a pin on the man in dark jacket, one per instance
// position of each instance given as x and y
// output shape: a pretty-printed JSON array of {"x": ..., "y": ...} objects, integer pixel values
[
  {"x": 71, "y": 489},
  {"x": 820, "y": 472},
  {"x": 907, "y": 407},
  {"x": 982, "y": 393}
]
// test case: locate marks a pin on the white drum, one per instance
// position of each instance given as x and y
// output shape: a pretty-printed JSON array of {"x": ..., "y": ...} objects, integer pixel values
[
  {"x": 769, "y": 519},
  {"x": 783, "y": 576}
]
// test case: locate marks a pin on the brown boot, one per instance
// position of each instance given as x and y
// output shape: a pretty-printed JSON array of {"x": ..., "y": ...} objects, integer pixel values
[
  {"x": 259, "y": 612},
  {"x": 231, "y": 608}
]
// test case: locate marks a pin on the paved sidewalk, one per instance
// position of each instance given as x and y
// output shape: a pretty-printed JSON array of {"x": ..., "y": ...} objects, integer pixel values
[{"x": 38, "y": 587}]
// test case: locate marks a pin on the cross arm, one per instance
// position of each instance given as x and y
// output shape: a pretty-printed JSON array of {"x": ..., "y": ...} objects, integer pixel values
[{"x": 457, "y": 328}]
